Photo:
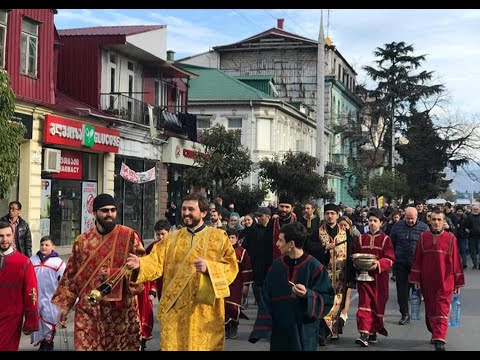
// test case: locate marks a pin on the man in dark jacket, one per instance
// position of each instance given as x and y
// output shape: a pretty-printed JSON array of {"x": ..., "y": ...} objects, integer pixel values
[
  {"x": 258, "y": 243},
  {"x": 404, "y": 235},
  {"x": 23, "y": 237}
]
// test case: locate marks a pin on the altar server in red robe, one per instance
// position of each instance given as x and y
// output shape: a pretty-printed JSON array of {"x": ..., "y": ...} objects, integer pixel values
[
  {"x": 373, "y": 295},
  {"x": 437, "y": 270},
  {"x": 19, "y": 293}
]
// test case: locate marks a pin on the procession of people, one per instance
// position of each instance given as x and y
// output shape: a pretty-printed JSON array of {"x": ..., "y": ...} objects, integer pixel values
[{"x": 302, "y": 273}]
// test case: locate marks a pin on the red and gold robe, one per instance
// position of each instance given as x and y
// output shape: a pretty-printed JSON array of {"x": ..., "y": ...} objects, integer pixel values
[
  {"x": 244, "y": 277},
  {"x": 113, "y": 323},
  {"x": 18, "y": 299},
  {"x": 373, "y": 295},
  {"x": 191, "y": 312},
  {"x": 337, "y": 272},
  {"x": 437, "y": 268}
]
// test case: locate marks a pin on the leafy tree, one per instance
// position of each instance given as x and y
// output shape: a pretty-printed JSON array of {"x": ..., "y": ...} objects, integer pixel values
[
  {"x": 390, "y": 185},
  {"x": 358, "y": 183},
  {"x": 399, "y": 89},
  {"x": 425, "y": 156},
  {"x": 294, "y": 174},
  {"x": 448, "y": 195},
  {"x": 246, "y": 199},
  {"x": 11, "y": 134},
  {"x": 224, "y": 163}
]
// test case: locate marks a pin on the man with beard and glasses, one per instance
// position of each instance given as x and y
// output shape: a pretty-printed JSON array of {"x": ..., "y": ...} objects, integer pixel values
[
  {"x": 99, "y": 255},
  {"x": 198, "y": 263}
]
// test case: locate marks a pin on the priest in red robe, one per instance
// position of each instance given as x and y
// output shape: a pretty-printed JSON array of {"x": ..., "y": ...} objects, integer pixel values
[
  {"x": 437, "y": 270},
  {"x": 19, "y": 293},
  {"x": 373, "y": 295}
]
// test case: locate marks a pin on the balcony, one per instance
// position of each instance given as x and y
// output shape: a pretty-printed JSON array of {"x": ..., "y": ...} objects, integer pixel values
[
  {"x": 334, "y": 169},
  {"x": 169, "y": 123},
  {"x": 338, "y": 158}
]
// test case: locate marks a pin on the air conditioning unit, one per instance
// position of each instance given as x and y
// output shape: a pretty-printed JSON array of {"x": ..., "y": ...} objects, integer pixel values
[{"x": 51, "y": 160}]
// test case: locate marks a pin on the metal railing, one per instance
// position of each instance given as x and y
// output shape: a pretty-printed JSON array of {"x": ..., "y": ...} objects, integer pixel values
[
  {"x": 334, "y": 168},
  {"x": 128, "y": 108}
]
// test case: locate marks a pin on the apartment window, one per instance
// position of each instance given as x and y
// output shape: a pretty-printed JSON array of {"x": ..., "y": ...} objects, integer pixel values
[
  {"x": 203, "y": 123},
  {"x": 29, "y": 47},
  {"x": 235, "y": 124},
  {"x": 3, "y": 36},
  {"x": 180, "y": 95},
  {"x": 163, "y": 94},
  {"x": 157, "y": 93},
  {"x": 264, "y": 128},
  {"x": 130, "y": 85}
]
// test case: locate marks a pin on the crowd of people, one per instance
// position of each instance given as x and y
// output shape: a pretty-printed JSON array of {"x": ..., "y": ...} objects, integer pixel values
[{"x": 204, "y": 259}]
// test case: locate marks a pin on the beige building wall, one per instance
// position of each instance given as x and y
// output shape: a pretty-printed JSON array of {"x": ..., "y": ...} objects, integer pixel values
[{"x": 30, "y": 172}]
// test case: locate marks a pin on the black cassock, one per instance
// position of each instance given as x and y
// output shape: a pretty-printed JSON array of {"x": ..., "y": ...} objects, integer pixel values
[{"x": 289, "y": 321}]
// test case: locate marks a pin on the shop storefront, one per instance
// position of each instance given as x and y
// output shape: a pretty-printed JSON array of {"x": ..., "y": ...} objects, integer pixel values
[
  {"x": 76, "y": 160},
  {"x": 178, "y": 155}
]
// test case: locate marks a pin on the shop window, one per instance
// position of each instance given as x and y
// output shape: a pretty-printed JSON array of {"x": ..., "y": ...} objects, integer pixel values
[{"x": 136, "y": 202}]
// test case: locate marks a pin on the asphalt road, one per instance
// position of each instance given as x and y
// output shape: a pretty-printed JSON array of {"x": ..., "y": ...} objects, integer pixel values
[{"x": 413, "y": 336}]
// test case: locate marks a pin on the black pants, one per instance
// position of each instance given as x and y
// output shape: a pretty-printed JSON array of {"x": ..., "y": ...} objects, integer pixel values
[
  {"x": 402, "y": 277},
  {"x": 257, "y": 290}
]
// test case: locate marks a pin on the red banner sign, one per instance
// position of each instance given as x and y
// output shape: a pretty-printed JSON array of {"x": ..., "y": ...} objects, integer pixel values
[
  {"x": 70, "y": 165},
  {"x": 58, "y": 130}
]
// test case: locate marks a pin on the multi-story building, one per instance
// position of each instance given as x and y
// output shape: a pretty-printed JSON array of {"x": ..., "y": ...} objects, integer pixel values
[
  {"x": 92, "y": 100},
  {"x": 292, "y": 62},
  {"x": 29, "y": 52},
  {"x": 267, "y": 125},
  {"x": 124, "y": 72}
]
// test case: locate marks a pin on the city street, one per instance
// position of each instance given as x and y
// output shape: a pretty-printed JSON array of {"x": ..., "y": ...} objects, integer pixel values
[{"x": 413, "y": 336}]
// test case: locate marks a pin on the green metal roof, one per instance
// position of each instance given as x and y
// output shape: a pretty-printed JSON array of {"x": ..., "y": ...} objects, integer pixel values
[
  {"x": 254, "y": 77},
  {"x": 214, "y": 84},
  {"x": 259, "y": 82}
]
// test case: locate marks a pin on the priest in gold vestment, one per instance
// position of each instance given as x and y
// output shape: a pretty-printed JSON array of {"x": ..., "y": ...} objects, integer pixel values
[{"x": 197, "y": 263}]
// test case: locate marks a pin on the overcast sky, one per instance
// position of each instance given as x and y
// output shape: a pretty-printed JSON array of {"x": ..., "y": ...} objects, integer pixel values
[{"x": 449, "y": 38}]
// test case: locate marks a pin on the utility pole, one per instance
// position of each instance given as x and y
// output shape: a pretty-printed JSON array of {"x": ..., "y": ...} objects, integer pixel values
[{"x": 320, "y": 110}]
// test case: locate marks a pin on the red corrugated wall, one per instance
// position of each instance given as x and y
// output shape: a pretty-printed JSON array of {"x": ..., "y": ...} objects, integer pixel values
[
  {"x": 149, "y": 91},
  {"x": 41, "y": 88},
  {"x": 80, "y": 66}
]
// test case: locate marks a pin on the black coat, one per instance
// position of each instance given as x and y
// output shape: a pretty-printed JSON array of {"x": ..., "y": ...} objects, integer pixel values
[{"x": 23, "y": 236}]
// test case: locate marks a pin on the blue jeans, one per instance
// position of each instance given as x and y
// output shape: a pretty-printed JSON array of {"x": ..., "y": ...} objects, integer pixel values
[
  {"x": 463, "y": 247},
  {"x": 474, "y": 245}
]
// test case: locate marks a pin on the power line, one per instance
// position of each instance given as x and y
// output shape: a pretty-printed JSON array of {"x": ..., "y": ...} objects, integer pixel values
[
  {"x": 254, "y": 23},
  {"x": 304, "y": 31},
  {"x": 270, "y": 14}
]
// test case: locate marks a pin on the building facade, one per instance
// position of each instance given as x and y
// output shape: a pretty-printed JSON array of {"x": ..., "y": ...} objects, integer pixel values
[
  {"x": 292, "y": 62},
  {"x": 267, "y": 125}
]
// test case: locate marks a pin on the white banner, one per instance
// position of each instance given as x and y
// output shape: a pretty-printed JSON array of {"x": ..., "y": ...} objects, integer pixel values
[{"x": 137, "y": 177}]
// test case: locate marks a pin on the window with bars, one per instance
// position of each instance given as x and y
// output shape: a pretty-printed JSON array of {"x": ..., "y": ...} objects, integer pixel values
[
  {"x": 29, "y": 47},
  {"x": 235, "y": 124},
  {"x": 3, "y": 36},
  {"x": 203, "y": 124}
]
